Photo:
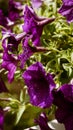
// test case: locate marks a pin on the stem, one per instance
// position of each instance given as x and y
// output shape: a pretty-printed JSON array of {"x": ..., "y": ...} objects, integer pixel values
[
  {"x": 5, "y": 99},
  {"x": 9, "y": 100},
  {"x": 45, "y": 21},
  {"x": 42, "y": 49},
  {"x": 55, "y": 7}
]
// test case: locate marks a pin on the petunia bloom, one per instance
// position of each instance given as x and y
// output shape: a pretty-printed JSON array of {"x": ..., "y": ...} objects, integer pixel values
[
  {"x": 36, "y": 3},
  {"x": 5, "y": 21},
  {"x": 40, "y": 85},
  {"x": 10, "y": 41},
  {"x": 33, "y": 25},
  {"x": 67, "y": 10},
  {"x": 1, "y": 119},
  {"x": 15, "y": 8},
  {"x": 10, "y": 44},
  {"x": 27, "y": 51},
  {"x": 63, "y": 99},
  {"x": 10, "y": 64},
  {"x": 13, "y": 13}
]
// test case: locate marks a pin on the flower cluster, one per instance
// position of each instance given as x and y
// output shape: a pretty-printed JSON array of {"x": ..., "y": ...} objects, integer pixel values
[
  {"x": 42, "y": 92},
  {"x": 33, "y": 27},
  {"x": 17, "y": 50}
]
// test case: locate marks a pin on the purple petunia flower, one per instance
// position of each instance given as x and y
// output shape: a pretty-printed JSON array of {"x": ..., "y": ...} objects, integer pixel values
[
  {"x": 36, "y": 3},
  {"x": 15, "y": 8},
  {"x": 10, "y": 64},
  {"x": 5, "y": 21},
  {"x": 63, "y": 99},
  {"x": 40, "y": 85},
  {"x": 33, "y": 25},
  {"x": 11, "y": 41},
  {"x": 27, "y": 51},
  {"x": 67, "y": 10},
  {"x": 10, "y": 44},
  {"x": 14, "y": 12},
  {"x": 2, "y": 86},
  {"x": 1, "y": 118}
]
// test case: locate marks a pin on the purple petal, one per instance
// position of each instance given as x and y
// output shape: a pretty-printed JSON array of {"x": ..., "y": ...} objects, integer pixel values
[
  {"x": 67, "y": 11},
  {"x": 68, "y": 2},
  {"x": 36, "y": 3},
  {"x": 10, "y": 64},
  {"x": 69, "y": 123},
  {"x": 42, "y": 122},
  {"x": 63, "y": 99},
  {"x": 27, "y": 52},
  {"x": 67, "y": 90},
  {"x": 33, "y": 25},
  {"x": 40, "y": 85},
  {"x": 11, "y": 41},
  {"x": 14, "y": 9},
  {"x": 30, "y": 26}
]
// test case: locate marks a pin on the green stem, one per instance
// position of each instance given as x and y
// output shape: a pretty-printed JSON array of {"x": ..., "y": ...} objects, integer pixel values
[
  {"x": 55, "y": 7},
  {"x": 43, "y": 49},
  {"x": 5, "y": 99}
]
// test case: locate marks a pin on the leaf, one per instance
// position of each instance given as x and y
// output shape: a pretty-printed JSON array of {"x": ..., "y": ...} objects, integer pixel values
[
  {"x": 72, "y": 56},
  {"x": 68, "y": 68},
  {"x": 19, "y": 114}
]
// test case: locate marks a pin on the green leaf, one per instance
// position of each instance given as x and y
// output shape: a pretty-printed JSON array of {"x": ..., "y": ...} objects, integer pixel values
[
  {"x": 68, "y": 68},
  {"x": 19, "y": 113}
]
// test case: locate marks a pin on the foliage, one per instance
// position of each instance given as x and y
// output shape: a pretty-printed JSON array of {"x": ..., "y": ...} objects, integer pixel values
[{"x": 57, "y": 38}]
